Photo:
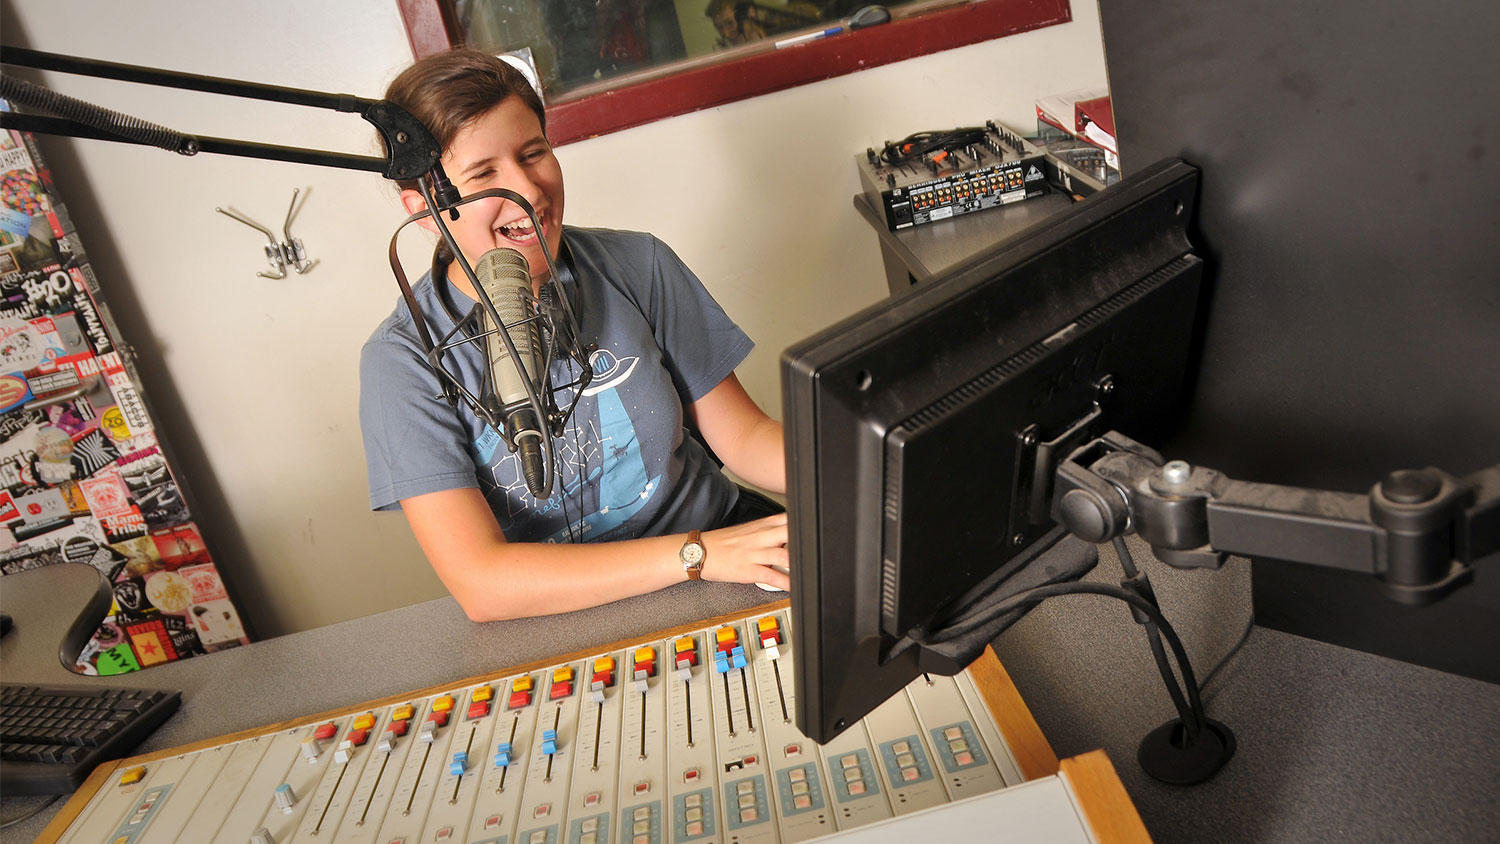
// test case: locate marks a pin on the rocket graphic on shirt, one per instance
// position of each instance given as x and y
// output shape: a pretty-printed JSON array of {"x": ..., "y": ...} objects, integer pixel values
[{"x": 620, "y": 484}]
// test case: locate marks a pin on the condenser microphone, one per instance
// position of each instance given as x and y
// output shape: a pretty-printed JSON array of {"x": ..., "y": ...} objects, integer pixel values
[{"x": 505, "y": 278}]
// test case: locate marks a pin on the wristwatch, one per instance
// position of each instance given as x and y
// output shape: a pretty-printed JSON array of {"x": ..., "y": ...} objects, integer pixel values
[{"x": 692, "y": 554}]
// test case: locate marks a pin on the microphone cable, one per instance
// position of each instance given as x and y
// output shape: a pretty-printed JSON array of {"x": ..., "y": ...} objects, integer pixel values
[{"x": 574, "y": 536}]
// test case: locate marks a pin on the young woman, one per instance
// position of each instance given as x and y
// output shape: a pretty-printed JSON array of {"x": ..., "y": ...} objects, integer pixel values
[{"x": 637, "y": 504}]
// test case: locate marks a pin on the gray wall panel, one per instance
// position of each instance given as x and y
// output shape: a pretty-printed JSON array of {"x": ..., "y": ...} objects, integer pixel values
[{"x": 1350, "y": 211}]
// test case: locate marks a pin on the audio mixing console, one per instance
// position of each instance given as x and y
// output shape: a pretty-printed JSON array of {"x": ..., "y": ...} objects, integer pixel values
[
  {"x": 989, "y": 167},
  {"x": 687, "y": 737}
]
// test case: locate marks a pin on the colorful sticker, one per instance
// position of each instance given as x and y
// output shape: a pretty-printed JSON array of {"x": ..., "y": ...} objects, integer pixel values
[
  {"x": 141, "y": 557},
  {"x": 54, "y": 455},
  {"x": 81, "y": 549},
  {"x": 117, "y": 660},
  {"x": 181, "y": 546},
  {"x": 132, "y": 408},
  {"x": 14, "y": 222},
  {"x": 92, "y": 452},
  {"x": 205, "y": 583},
  {"x": 20, "y": 191},
  {"x": 183, "y": 634},
  {"x": 14, "y": 391},
  {"x": 106, "y": 494},
  {"x": 21, "y": 346},
  {"x": 143, "y": 469},
  {"x": 137, "y": 444},
  {"x": 43, "y": 505},
  {"x": 218, "y": 625},
  {"x": 151, "y": 643},
  {"x": 130, "y": 597},
  {"x": 169, "y": 592},
  {"x": 76, "y": 416},
  {"x": 113, "y": 424},
  {"x": 162, "y": 506},
  {"x": 77, "y": 504},
  {"x": 48, "y": 383},
  {"x": 127, "y": 525},
  {"x": 51, "y": 344}
]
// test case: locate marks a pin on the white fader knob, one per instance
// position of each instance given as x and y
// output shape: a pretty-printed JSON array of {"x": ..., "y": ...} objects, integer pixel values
[
  {"x": 262, "y": 836},
  {"x": 285, "y": 798}
]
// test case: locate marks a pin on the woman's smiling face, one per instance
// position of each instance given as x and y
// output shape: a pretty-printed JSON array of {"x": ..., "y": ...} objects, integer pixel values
[{"x": 502, "y": 148}]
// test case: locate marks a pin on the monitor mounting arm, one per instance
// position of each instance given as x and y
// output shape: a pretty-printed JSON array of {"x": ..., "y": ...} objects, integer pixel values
[{"x": 1418, "y": 531}]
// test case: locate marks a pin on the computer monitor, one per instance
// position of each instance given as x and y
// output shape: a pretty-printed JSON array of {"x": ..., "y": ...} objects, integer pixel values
[{"x": 922, "y": 433}]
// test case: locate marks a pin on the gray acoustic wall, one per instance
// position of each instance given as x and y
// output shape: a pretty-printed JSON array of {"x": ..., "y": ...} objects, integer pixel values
[{"x": 1350, "y": 212}]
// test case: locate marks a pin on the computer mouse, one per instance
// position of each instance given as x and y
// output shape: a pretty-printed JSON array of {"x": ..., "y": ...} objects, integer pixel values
[
  {"x": 768, "y": 587},
  {"x": 869, "y": 16}
]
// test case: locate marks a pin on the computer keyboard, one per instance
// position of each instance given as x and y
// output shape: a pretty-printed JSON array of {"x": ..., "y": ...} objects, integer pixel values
[{"x": 51, "y": 738}]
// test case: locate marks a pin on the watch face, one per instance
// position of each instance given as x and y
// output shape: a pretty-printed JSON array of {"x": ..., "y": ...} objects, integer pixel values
[{"x": 692, "y": 554}]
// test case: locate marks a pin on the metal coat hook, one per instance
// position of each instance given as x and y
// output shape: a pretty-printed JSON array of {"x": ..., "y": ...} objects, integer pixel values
[
  {"x": 280, "y": 254},
  {"x": 273, "y": 247},
  {"x": 292, "y": 248}
]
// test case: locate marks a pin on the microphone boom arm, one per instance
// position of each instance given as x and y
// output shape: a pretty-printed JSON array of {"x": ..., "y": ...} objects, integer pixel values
[{"x": 412, "y": 153}]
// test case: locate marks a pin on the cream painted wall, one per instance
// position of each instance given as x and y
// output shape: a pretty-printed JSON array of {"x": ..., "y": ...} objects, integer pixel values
[{"x": 256, "y": 381}]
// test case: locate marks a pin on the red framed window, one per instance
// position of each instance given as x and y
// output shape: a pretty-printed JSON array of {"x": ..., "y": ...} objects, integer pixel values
[{"x": 612, "y": 98}]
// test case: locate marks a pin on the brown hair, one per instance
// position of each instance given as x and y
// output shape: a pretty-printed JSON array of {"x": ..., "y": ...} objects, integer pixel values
[{"x": 447, "y": 91}]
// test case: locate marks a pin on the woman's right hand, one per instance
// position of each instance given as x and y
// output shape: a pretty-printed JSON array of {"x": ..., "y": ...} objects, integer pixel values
[{"x": 753, "y": 552}]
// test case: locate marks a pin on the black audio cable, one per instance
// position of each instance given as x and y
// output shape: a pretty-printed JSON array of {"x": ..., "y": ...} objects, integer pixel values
[
  {"x": 919, "y": 144},
  {"x": 1190, "y": 708}
]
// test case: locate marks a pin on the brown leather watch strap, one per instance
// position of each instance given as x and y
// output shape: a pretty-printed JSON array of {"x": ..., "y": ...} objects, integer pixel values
[{"x": 694, "y": 572}]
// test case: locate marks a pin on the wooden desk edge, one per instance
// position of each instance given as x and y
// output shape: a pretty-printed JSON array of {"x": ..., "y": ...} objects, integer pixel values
[
  {"x": 1106, "y": 807},
  {"x": 1033, "y": 754}
]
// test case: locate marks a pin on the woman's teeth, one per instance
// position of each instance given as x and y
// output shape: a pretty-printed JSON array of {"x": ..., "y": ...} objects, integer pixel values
[{"x": 518, "y": 230}]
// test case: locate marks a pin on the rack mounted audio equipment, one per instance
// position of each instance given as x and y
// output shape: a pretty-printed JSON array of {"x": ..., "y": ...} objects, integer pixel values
[{"x": 913, "y": 184}]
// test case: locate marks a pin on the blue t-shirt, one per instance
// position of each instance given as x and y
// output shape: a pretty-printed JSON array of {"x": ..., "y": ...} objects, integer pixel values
[{"x": 628, "y": 468}]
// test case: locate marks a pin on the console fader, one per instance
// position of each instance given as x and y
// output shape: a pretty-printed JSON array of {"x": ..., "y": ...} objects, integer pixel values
[{"x": 684, "y": 739}]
